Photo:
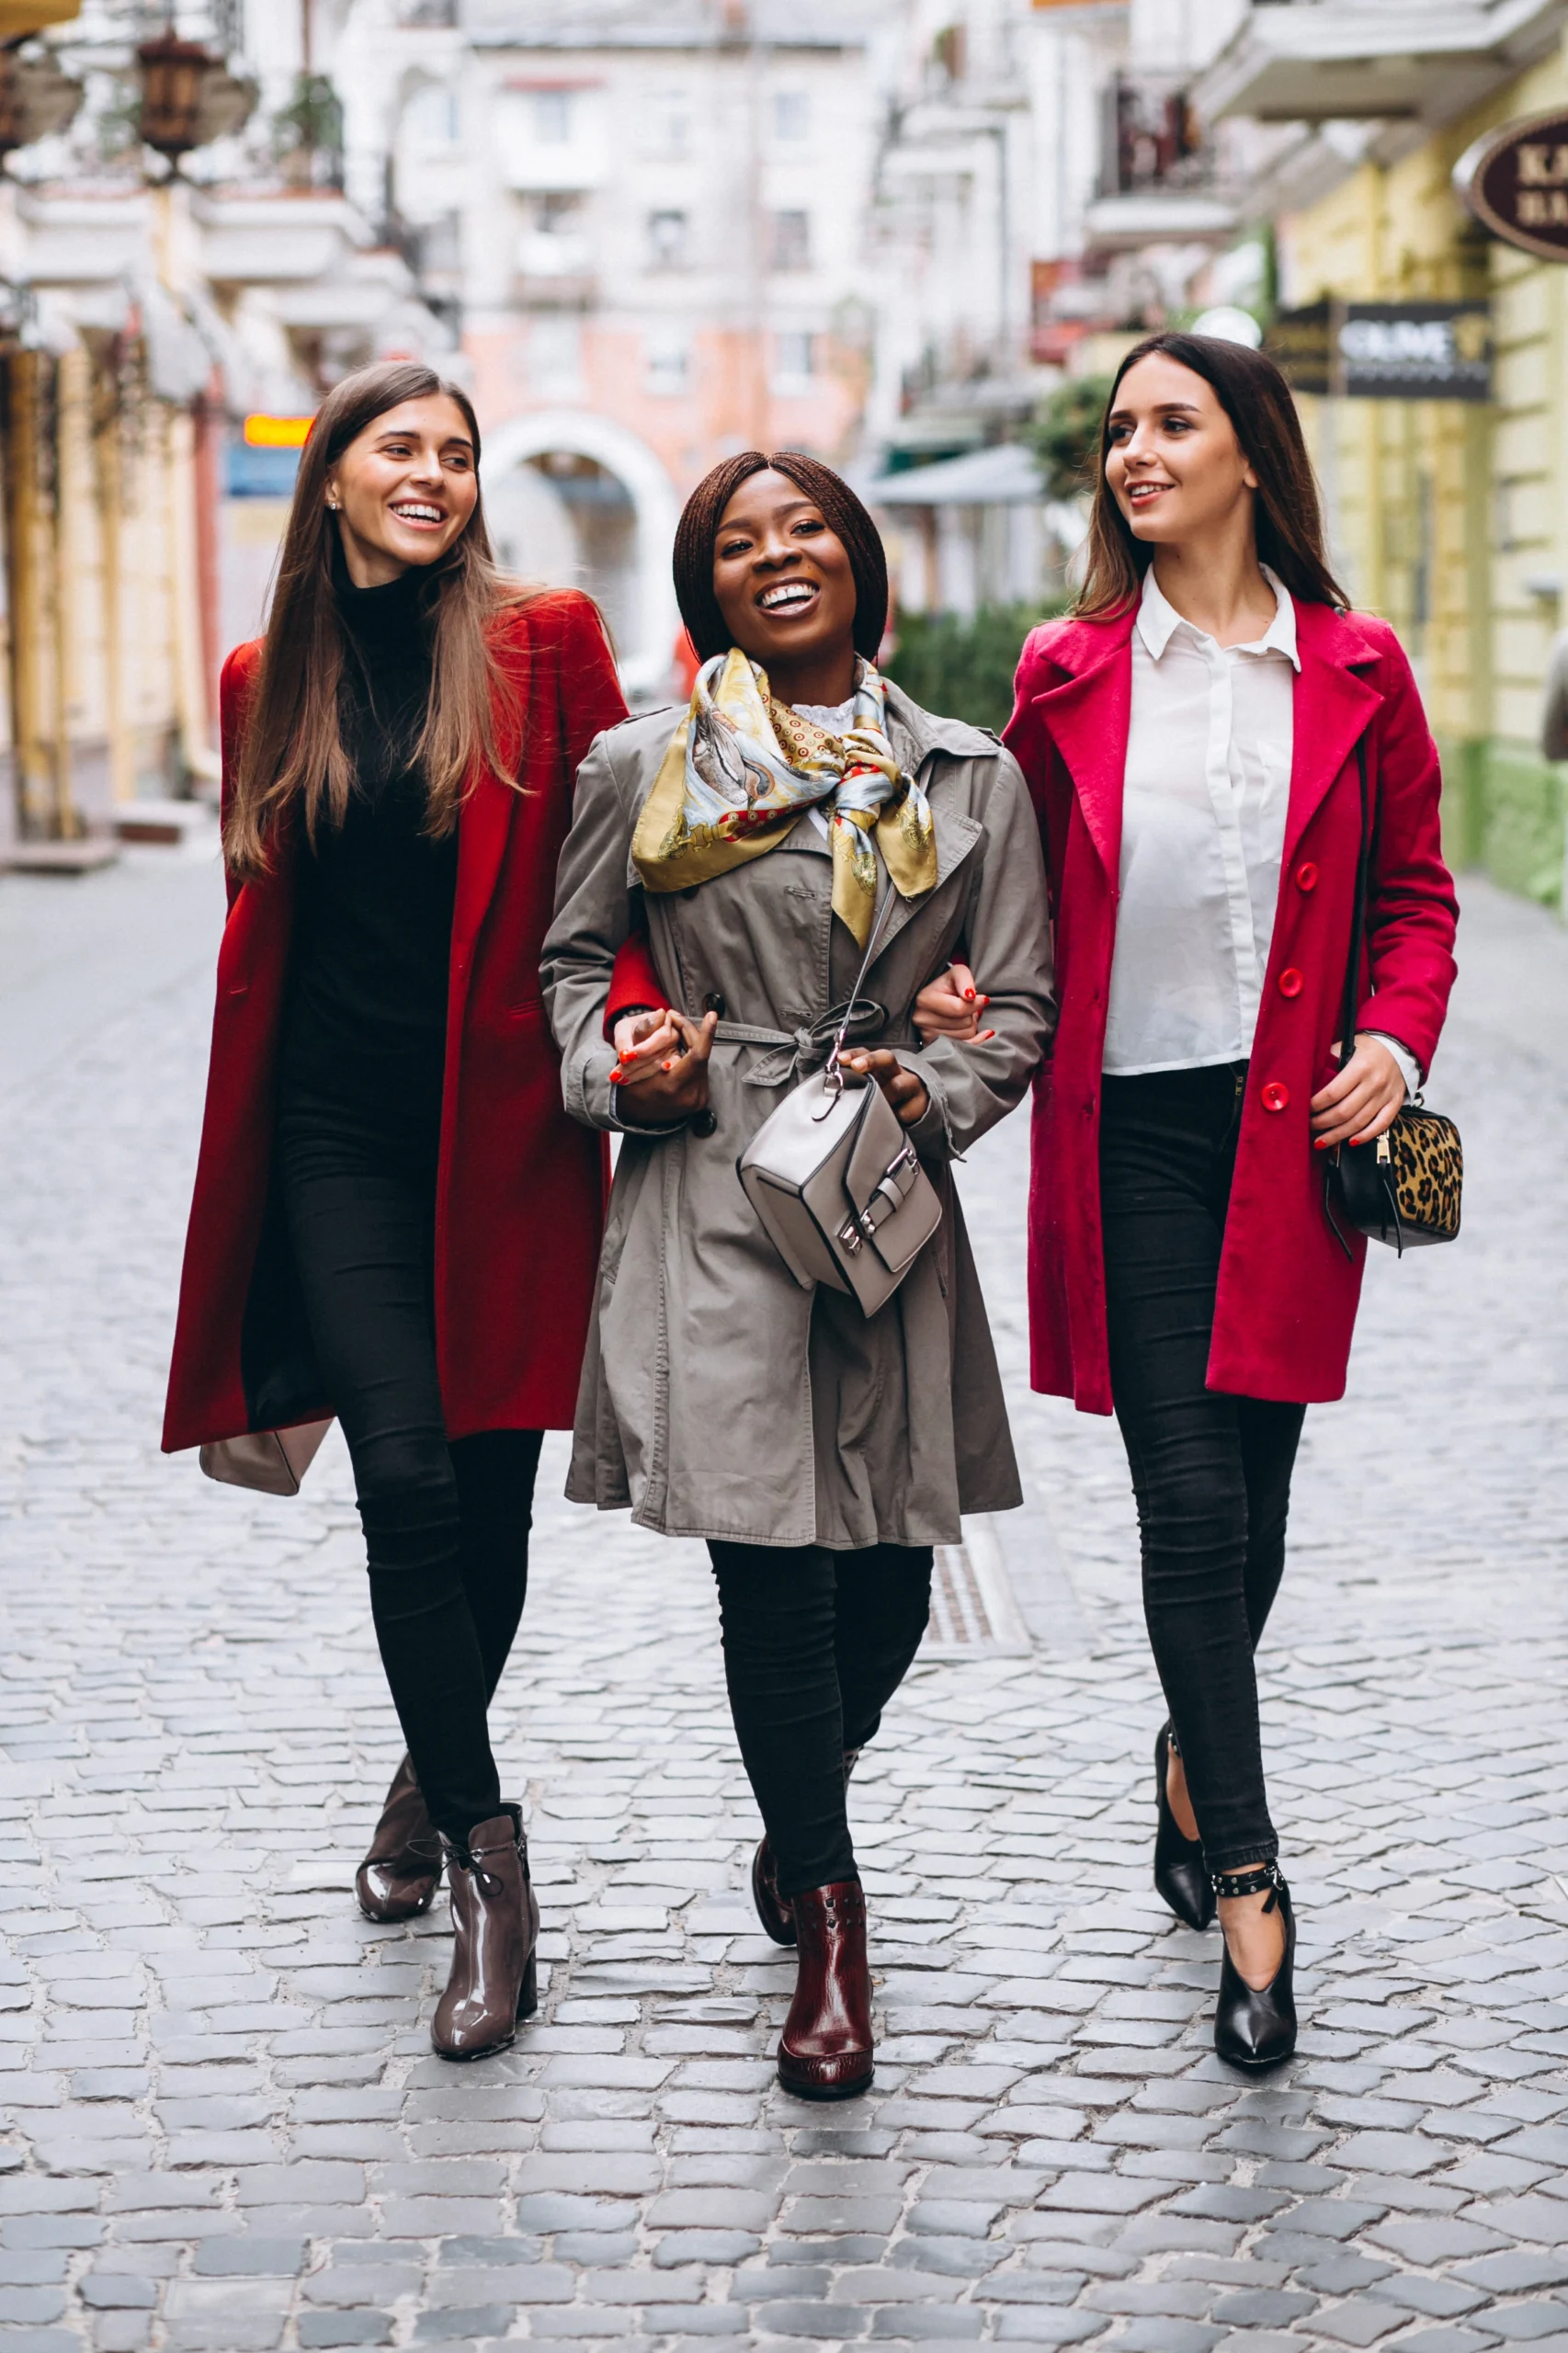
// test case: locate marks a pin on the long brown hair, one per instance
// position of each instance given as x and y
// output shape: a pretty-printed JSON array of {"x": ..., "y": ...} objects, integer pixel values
[
  {"x": 842, "y": 512},
  {"x": 291, "y": 748},
  {"x": 1286, "y": 516}
]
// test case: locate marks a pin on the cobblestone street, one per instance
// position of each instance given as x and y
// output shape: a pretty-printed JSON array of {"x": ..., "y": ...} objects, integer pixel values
[{"x": 222, "y": 2127}]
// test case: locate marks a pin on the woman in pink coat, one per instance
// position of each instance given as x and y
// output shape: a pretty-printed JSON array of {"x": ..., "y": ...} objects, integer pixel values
[{"x": 1192, "y": 737}]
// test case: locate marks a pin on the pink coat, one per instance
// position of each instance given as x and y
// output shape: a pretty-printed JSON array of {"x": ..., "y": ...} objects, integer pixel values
[{"x": 1286, "y": 1305}]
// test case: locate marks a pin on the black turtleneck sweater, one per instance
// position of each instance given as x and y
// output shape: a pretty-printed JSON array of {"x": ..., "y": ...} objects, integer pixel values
[{"x": 365, "y": 1029}]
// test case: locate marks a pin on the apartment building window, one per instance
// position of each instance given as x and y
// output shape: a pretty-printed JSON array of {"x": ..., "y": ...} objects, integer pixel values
[
  {"x": 670, "y": 239},
  {"x": 794, "y": 360},
  {"x": 667, "y": 357},
  {"x": 791, "y": 117},
  {"x": 431, "y": 117},
  {"x": 791, "y": 240},
  {"x": 555, "y": 357},
  {"x": 666, "y": 125},
  {"x": 553, "y": 117}
]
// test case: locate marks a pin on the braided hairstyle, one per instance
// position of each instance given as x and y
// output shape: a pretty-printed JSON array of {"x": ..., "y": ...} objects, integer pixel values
[{"x": 843, "y": 513}]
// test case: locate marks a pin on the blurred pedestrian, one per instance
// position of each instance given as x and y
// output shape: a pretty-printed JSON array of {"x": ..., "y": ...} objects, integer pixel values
[
  {"x": 1193, "y": 737},
  {"x": 1554, "y": 706},
  {"x": 802, "y": 802},
  {"x": 394, "y": 1220}
]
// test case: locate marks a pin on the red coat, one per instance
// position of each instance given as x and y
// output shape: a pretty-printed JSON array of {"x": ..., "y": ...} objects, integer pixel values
[
  {"x": 1286, "y": 1305},
  {"x": 521, "y": 1188}
]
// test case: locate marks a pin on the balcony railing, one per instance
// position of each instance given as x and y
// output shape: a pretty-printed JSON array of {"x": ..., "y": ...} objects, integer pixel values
[{"x": 1150, "y": 140}]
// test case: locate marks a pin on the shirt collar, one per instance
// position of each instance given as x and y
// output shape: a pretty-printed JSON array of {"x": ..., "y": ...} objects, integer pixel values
[{"x": 1158, "y": 621}]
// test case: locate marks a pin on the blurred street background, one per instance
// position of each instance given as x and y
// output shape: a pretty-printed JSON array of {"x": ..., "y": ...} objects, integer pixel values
[{"x": 914, "y": 237}]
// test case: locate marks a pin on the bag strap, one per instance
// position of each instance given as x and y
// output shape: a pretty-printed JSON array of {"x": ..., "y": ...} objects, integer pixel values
[
  {"x": 831, "y": 1072},
  {"x": 1358, "y": 917}
]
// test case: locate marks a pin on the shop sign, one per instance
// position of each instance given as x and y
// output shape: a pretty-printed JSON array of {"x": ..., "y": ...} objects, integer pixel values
[
  {"x": 1388, "y": 351},
  {"x": 1514, "y": 180}
]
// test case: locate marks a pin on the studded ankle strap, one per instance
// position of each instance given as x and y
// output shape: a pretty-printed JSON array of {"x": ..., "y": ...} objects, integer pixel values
[{"x": 1253, "y": 1882}]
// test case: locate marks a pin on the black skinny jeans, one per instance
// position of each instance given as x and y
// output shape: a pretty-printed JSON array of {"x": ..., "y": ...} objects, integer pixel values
[
  {"x": 815, "y": 1645},
  {"x": 446, "y": 1523},
  {"x": 1211, "y": 1473}
]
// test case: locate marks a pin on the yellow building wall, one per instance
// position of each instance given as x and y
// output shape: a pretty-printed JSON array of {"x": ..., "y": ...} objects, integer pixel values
[{"x": 1452, "y": 519}]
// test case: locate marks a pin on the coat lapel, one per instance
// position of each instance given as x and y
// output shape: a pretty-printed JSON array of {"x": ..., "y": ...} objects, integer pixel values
[
  {"x": 483, "y": 826},
  {"x": 1332, "y": 708},
  {"x": 1087, "y": 718}
]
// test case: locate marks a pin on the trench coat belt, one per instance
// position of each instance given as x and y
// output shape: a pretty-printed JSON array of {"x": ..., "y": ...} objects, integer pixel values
[{"x": 798, "y": 1051}]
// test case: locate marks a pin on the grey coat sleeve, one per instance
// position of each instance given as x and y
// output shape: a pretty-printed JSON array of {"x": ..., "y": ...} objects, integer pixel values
[
  {"x": 593, "y": 917},
  {"x": 1008, "y": 935}
]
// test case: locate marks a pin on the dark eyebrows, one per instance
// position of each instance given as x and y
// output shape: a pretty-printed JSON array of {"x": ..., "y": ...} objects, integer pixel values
[
  {"x": 406, "y": 433},
  {"x": 1162, "y": 408},
  {"x": 794, "y": 506}
]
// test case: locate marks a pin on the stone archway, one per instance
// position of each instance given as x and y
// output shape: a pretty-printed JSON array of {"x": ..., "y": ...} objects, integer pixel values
[{"x": 645, "y": 658}]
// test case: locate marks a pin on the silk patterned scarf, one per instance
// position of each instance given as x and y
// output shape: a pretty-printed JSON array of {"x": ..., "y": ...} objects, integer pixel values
[{"x": 742, "y": 766}]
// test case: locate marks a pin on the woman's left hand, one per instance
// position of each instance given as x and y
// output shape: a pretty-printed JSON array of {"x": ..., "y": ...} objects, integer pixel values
[
  {"x": 905, "y": 1092},
  {"x": 1362, "y": 1099}
]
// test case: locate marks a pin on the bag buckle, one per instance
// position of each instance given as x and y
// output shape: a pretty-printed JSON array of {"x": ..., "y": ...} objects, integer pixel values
[{"x": 850, "y": 1237}]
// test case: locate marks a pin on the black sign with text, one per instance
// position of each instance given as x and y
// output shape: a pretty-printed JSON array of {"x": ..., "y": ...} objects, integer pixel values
[
  {"x": 1514, "y": 180},
  {"x": 1387, "y": 351}
]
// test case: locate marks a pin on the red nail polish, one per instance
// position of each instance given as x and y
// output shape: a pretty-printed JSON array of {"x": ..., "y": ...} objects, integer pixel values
[
  {"x": 983, "y": 1035},
  {"x": 969, "y": 994},
  {"x": 1322, "y": 1145},
  {"x": 666, "y": 1066}
]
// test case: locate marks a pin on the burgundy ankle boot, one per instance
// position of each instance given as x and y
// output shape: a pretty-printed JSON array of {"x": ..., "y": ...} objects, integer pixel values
[
  {"x": 825, "y": 2051},
  {"x": 402, "y": 1869}
]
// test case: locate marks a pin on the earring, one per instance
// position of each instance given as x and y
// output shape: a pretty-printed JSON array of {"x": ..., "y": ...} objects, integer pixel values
[{"x": 334, "y": 505}]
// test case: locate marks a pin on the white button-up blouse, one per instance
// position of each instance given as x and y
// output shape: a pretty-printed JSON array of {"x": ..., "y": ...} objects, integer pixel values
[{"x": 1208, "y": 786}]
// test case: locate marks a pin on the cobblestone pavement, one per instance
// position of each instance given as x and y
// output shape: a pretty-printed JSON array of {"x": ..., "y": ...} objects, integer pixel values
[{"x": 221, "y": 2126}]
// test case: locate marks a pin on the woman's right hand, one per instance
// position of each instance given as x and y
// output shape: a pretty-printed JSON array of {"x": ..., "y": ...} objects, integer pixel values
[
  {"x": 663, "y": 1082},
  {"x": 950, "y": 1007}
]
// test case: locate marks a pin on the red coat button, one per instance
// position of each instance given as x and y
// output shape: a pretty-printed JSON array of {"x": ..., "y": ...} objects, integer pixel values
[
  {"x": 1306, "y": 876},
  {"x": 1275, "y": 1095},
  {"x": 1291, "y": 982}
]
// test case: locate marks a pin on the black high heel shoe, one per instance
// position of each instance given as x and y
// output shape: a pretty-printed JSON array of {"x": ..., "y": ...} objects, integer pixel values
[
  {"x": 1180, "y": 1879},
  {"x": 1253, "y": 2029}
]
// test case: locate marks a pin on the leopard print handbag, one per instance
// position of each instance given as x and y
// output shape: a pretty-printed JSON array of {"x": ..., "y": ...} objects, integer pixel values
[{"x": 1404, "y": 1187}]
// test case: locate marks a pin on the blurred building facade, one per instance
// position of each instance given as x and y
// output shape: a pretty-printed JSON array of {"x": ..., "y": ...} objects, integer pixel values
[
  {"x": 150, "y": 298},
  {"x": 1450, "y": 518},
  {"x": 650, "y": 232},
  {"x": 651, "y": 222}
]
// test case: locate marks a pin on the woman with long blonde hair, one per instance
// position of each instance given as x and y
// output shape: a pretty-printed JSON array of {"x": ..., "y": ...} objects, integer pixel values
[{"x": 394, "y": 1220}]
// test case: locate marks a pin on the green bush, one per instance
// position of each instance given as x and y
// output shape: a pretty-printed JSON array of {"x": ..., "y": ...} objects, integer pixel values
[
  {"x": 964, "y": 668},
  {"x": 1065, "y": 434}
]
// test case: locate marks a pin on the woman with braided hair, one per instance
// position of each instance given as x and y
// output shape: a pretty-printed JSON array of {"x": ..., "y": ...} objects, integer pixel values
[{"x": 800, "y": 805}]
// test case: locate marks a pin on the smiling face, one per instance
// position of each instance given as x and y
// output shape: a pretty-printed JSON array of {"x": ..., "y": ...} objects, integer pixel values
[
  {"x": 1173, "y": 462},
  {"x": 783, "y": 581},
  {"x": 404, "y": 489}
]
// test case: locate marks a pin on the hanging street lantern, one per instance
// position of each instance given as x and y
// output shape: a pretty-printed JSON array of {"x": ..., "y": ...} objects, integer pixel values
[
  {"x": 172, "y": 71},
  {"x": 36, "y": 100},
  {"x": 188, "y": 97}
]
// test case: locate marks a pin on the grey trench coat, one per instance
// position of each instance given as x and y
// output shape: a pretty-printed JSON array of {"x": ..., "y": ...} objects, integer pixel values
[{"x": 719, "y": 1398}]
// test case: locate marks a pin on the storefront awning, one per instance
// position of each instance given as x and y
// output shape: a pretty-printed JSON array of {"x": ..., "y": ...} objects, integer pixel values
[
  {"x": 1008, "y": 475},
  {"x": 19, "y": 17}
]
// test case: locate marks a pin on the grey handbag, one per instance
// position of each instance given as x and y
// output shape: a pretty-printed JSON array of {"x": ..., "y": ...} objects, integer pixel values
[
  {"x": 835, "y": 1180},
  {"x": 273, "y": 1461}
]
